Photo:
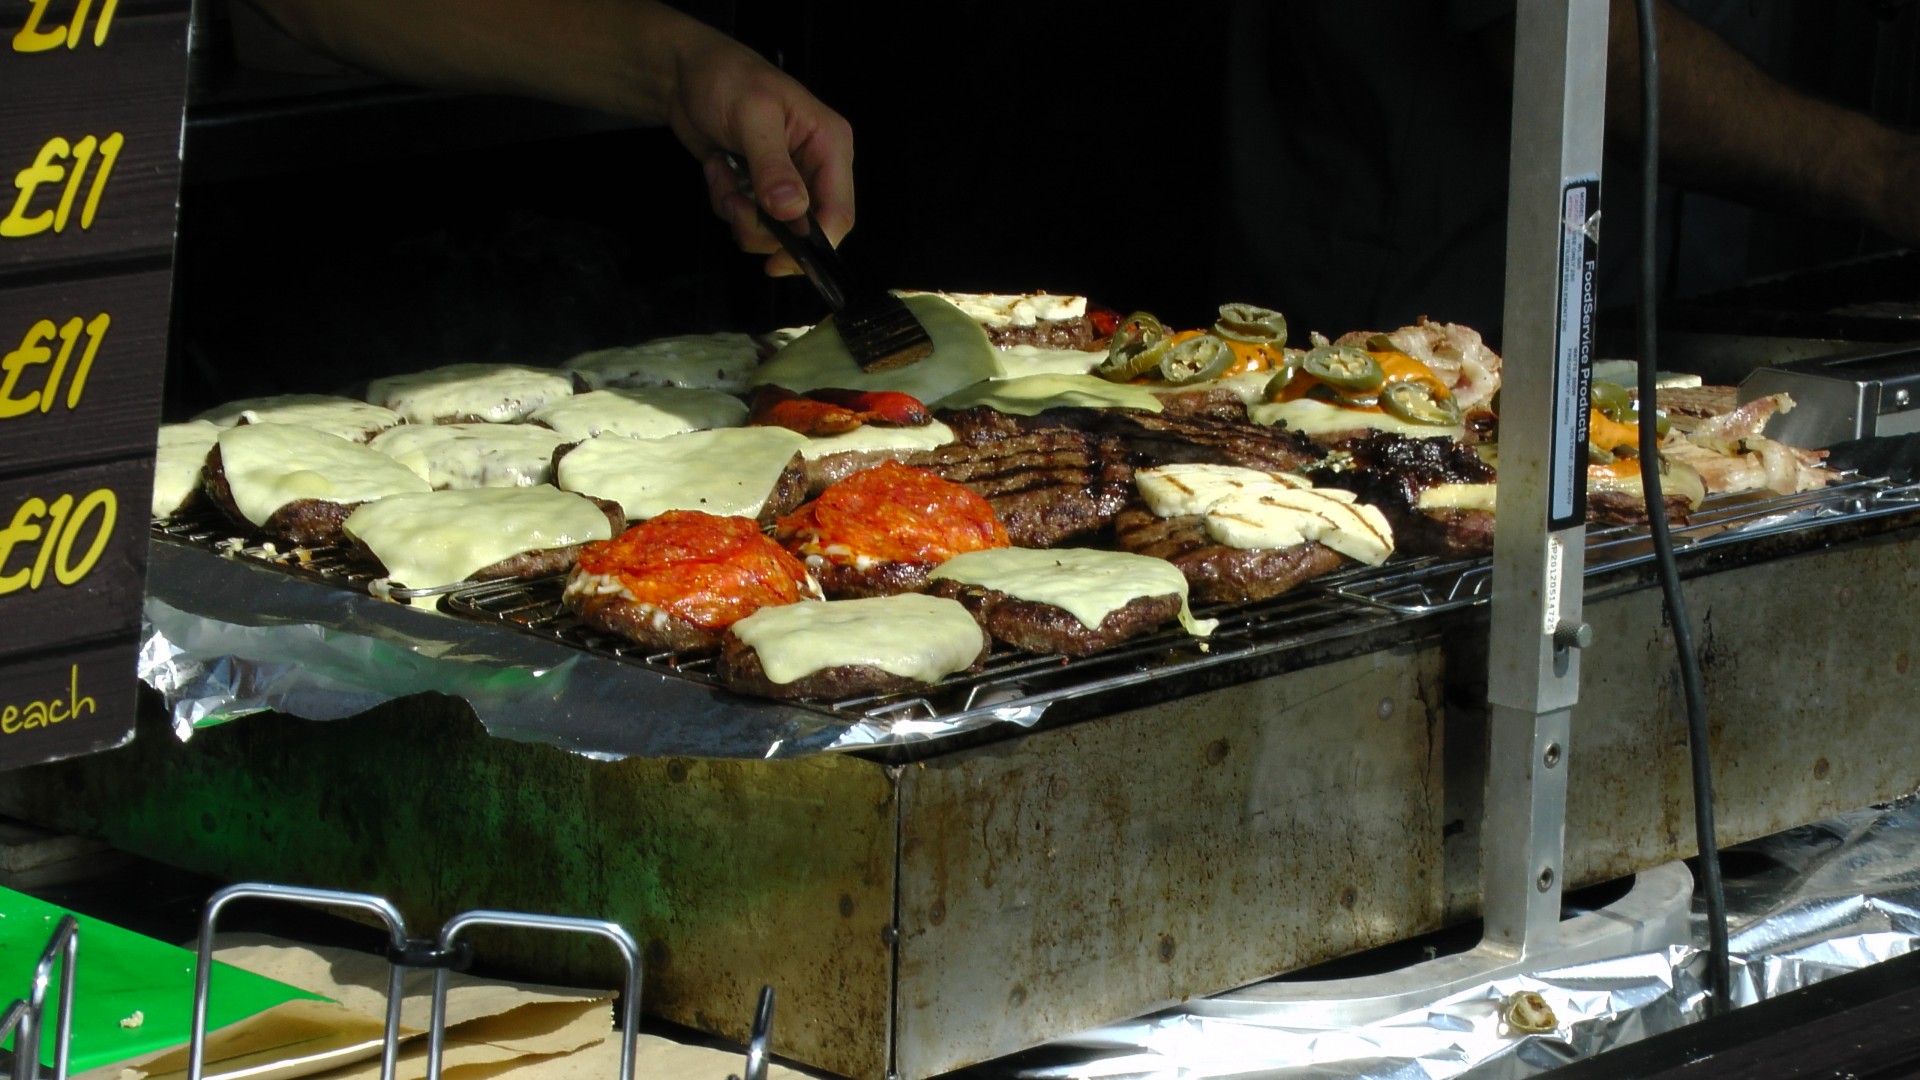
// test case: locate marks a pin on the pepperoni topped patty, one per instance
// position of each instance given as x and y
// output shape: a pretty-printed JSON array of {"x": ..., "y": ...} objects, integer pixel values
[
  {"x": 678, "y": 580},
  {"x": 882, "y": 530}
]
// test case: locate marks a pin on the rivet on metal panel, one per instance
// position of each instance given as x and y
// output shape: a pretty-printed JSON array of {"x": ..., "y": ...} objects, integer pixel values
[
  {"x": 846, "y": 906},
  {"x": 1018, "y": 997},
  {"x": 1217, "y": 751},
  {"x": 677, "y": 771},
  {"x": 889, "y": 934},
  {"x": 1058, "y": 788},
  {"x": 1845, "y": 596},
  {"x": 1552, "y": 755},
  {"x": 1166, "y": 947},
  {"x": 1385, "y": 710},
  {"x": 1820, "y": 768},
  {"x": 937, "y": 913},
  {"x": 1546, "y": 879},
  {"x": 1349, "y": 896}
]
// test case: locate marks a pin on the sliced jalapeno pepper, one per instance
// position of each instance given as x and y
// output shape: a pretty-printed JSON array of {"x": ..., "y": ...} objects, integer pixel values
[
  {"x": 1660, "y": 422},
  {"x": 1413, "y": 401},
  {"x": 1136, "y": 348},
  {"x": 1611, "y": 399},
  {"x": 1249, "y": 323},
  {"x": 1285, "y": 363},
  {"x": 1196, "y": 359},
  {"x": 1344, "y": 367}
]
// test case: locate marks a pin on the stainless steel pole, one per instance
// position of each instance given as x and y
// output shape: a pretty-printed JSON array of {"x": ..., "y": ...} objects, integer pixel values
[{"x": 1539, "y": 541}]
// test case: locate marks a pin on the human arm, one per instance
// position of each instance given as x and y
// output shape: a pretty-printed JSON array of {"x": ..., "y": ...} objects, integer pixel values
[
  {"x": 1728, "y": 128},
  {"x": 636, "y": 58}
]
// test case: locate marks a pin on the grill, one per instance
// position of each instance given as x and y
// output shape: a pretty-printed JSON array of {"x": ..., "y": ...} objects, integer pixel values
[{"x": 1353, "y": 610}]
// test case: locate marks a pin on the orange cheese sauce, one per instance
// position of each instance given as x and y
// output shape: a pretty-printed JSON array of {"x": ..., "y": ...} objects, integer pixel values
[
  {"x": 1607, "y": 434},
  {"x": 709, "y": 570}
]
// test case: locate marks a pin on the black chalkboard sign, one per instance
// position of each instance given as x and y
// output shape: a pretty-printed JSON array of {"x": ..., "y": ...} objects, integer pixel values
[{"x": 89, "y": 181}]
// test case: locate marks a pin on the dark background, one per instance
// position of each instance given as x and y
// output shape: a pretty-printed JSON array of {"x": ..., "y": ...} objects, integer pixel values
[{"x": 334, "y": 227}]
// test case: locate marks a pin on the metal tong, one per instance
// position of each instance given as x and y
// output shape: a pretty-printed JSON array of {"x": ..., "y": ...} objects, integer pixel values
[{"x": 879, "y": 331}]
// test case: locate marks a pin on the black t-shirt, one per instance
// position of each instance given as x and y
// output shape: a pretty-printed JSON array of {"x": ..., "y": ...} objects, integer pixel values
[{"x": 1367, "y": 146}]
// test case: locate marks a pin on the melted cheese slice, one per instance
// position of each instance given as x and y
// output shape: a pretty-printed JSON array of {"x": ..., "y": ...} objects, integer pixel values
[
  {"x": 473, "y": 455},
  {"x": 355, "y": 421},
  {"x": 1035, "y": 394},
  {"x": 493, "y": 393},
  {"x": 1087, "y": 584},
  {"x": 917, "y": 637},
  {"x": 1310, "y": 417},
  {"x": 727, "y": 471},
  {"x": 1457, "y": 497},
  {"x": 271, "y": 465},
  {"x": 961, "y": 356},
  {"x": 435, "y": 538},
  {"x": 723, "y": 361},
  {"x": 1018, "y": 361},
  {"x": 651, "y": 412},
  {"x": 875, "y": 437},
  {"x": 1284, "y": 517},
  {"x": 1175, "y": 490},
  {"x": 178, "y": 459}
]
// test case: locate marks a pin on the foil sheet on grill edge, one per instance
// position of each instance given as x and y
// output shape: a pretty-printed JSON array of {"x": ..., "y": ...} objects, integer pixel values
[
  {"x": 1824, "y": 899},
  {"x": 233, "y": 628}
]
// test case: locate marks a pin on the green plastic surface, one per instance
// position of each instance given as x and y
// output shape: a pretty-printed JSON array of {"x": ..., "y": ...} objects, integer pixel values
[{"x": 121, "y": 973}]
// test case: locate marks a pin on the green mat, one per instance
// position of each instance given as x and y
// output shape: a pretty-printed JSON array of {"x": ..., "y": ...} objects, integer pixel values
[{"x": 121, "y": 973}]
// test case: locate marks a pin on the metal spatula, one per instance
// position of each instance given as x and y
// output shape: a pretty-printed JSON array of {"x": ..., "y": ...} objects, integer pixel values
[{"x": 879, "y": 330}]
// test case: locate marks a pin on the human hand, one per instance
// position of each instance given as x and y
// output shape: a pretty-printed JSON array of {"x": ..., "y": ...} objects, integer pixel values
[{"x": 798, "y": 152}]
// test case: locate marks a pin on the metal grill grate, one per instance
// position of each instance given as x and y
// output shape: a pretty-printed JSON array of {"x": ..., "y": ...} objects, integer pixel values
[{"x": 1351, "y": 603}]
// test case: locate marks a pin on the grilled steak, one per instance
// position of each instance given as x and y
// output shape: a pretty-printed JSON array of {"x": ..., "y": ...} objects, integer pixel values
[
  {"x": 738, "y": 666},
  {"x": 1044, "y": 628},
  {"x": 1045, "y": 486},
  {"x": 1389, "y": 471},
  {"x": 1215, "y": 572},
  {"x": 1210, "y": 439},
  {"x": 1079, "y": 334}
]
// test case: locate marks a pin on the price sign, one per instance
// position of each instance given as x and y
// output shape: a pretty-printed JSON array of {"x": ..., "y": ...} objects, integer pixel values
[{"x": 89, "y": 179}]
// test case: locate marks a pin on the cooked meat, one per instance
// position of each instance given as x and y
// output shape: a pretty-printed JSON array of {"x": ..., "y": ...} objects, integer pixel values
[
  {"x": 1078, "y": 334},
  {"x": 1044, "y": 628},
  {"x": 655, "y": 628},
  {"x": 307, "y": 522},
  {"x": 1630, "y": 508},
  {"x": 1696, "y": 402},
  {"x": 1046, "y": 486},
  {"x": 788, "y": 492},
  {"x": 1177, "y": 439},
  {"x": 739, "y": 668},
  {"x": 882, "y": 531},
  {"x": 531, "y": 564},
  {"x": 676, "y": 581},
  {"x": 829, "y": 469},
  {"x": 1217, "y": 573},
  {"x": 1389, "y": 471},
  {"x": 1214, "y": 404}
]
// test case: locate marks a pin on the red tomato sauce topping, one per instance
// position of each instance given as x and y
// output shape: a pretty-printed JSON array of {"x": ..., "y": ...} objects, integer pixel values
[
  {"x": 709, "y": 570},
  {"x": 896, "y": 514}
]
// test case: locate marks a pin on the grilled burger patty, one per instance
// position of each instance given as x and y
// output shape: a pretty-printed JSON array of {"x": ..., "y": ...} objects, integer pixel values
[
  {"x": 1045, "y": 628},
  {"x": 1045, "y": 486},
  {"x": 1215, "y": 572},
  {"x": 308, "y": 522},
  {"x": 527, "y": 564}
]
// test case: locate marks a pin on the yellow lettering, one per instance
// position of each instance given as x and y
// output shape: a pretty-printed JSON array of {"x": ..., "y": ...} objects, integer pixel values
[
  {"x": 57, "y": 512},
  {"x": 28, "y": 180},
  {"x": 68, "y": 335},
  {"x": 9, "y": 720},
  {"x": 101, "y": 24},
  {"x": 76, "y": 703},
  {"x": 63, "y": 569},
  {"x": 96, "y": 330},
  {"x": 30, "y": 352},
  {"x": 34, "y": 715},
  {"x": 33, "y": 39},
  {"x": 82, "y": 157},
  {"x": 109, "y": 153},
  {"x": 23, "y": 530}
]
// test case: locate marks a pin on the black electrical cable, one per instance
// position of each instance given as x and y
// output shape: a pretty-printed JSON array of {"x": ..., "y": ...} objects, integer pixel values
[{"x": 1719, "y": 976}]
